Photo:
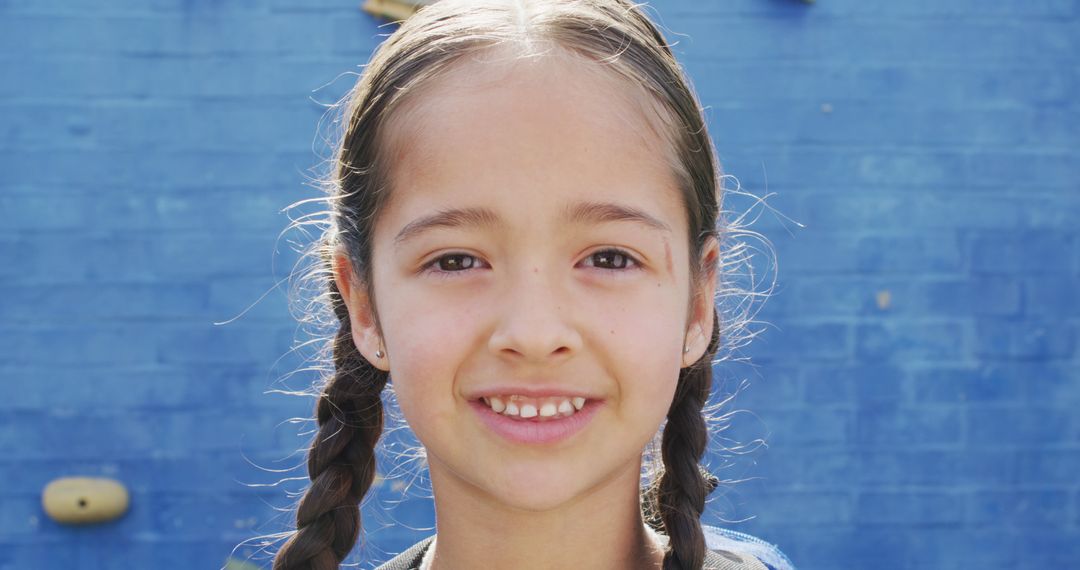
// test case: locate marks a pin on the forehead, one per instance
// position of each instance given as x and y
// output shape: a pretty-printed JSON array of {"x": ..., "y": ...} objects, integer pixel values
[{"x": 497, "y": 125}]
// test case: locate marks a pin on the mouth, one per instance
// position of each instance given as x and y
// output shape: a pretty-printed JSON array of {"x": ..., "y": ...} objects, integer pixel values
[
  {"x": 535, "y": 421},
  {"x": 523, "y": 408}
]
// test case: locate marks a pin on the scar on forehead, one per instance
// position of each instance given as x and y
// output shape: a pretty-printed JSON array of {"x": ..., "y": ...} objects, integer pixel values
[{"x": 667, "y": 257}]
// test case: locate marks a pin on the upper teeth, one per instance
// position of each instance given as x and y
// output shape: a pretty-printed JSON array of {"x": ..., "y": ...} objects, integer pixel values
[{"x": 523, "y": 407}]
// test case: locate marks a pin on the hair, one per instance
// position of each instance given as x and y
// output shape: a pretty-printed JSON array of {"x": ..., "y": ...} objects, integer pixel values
[{"x": 610, "y": 35}]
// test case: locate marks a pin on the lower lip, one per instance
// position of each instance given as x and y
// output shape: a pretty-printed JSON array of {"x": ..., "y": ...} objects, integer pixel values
[{"x": 536, "y": 432}]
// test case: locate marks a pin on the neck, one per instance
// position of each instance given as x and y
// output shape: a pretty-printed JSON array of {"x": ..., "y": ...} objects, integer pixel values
[{"x": 602, "y": 529}]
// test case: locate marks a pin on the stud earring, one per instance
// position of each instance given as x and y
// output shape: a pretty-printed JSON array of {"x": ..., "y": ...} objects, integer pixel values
[
  {"x": 685, "y": 349},
  {"x": 379, "y": 354}
]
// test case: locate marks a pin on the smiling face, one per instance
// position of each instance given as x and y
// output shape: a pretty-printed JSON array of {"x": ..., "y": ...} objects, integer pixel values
[{"x": 535, "y": 243}]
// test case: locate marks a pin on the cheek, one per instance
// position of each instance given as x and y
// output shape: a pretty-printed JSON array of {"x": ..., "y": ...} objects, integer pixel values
[
  {"x": 648, "y": 324},
  {"x": 426, "y": 338},
  {"x": 643, "y": 341}
]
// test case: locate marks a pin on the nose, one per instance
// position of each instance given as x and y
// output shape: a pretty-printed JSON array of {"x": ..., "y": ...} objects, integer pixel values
[{"x": 534, "y": 320}]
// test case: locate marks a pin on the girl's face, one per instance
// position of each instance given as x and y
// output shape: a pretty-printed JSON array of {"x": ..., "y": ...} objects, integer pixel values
[{"x": 557, "y": 264}]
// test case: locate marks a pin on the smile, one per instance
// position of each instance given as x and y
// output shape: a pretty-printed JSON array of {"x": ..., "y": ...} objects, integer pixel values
[
  {"x": 523, "y": 407},
  {"x": 535, "y": 421}
]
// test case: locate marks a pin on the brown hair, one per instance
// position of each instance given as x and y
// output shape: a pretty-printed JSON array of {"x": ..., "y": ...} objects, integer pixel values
[{"x": 612, "y": 35}]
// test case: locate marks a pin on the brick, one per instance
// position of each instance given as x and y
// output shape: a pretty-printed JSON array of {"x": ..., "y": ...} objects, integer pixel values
[
  {"x": 232, "y": 210},
  {"x": 774, "y": 387},
  {"x": 144, "y": 433},
  {"x": 137, "y": 168},
  {"x": 993, "y": 168},
  {"x": 879, "y": 211},
  {"x": 908, "y": 468},
  {"x": 1048, "y": 467},
  {"x": 986, "y": 383},
  {"x": 207, "y": 343},
  {"x": 962, "y": 297},
  {"x": 26, "y": 212},
  {"x": 56, "y": 550},
  {"x": 825, "y": 426},
  {"x": 881, "y": 383},
  {"x": 1012, "y": 339},
  {"x": 248, "y": 300},
  {"x": 105, "y": 302},
  {"x": 1051, "y": 296},
  {"x": 817, "y": 253},
  {"x": 829, "y": 385},
  {"x": 956, "y": 8},
  {"x": 819, "y": 468},
  {"x": 1004, "y": 382},
  {"x": 866, "y": 547},
  {"x": 1029, "y": 252},
  {"x": 941, "y": 385},
  {"x": 861, "y": 296},
  {"x": 967, "y": 547},
  {"x": 105, "y": 344},
  {"x": 990, "y": 464},
  {"x": 1056, "y": 213},
  {"x": 941, "y": 42},
  {"x": 945, "y": 210},
  {"x": 885, "y": 425},
  {"x": 1010, "y": 426},
  {"x": 843, "y": 171},
  {"x": 1020, "y": 508},
  {"x": 978, "y": 86},
  {"x": 185, "y": 385},
  {"x": 1047, "y": 549},
  {"x": 904, "y": 254},
  {"x": 910, "y": 341},
  {"x": 813, "y": 342},
  {"x": 1046, "y": 383},
  {"x": 128, "y": 6},
  {"x": 930, "y": 508},
  {"x": 814, "y": 507}
]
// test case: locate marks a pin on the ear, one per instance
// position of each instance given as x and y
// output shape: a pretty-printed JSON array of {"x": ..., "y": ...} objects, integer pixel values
[
  {"x": 700, "y": 324},
  {"x": 365, "y": 332}
]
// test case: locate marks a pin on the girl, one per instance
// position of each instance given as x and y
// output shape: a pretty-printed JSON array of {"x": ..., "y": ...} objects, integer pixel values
[{"x": 525, "y": 240}]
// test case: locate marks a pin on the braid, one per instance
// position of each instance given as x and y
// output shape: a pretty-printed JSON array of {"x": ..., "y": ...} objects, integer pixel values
[
  {"x": 683, "y": 487},
  {"x": 341, "y": 460}
]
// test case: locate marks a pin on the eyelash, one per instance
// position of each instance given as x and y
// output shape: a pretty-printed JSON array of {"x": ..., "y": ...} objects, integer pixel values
[{"x": 432, "y": 266}]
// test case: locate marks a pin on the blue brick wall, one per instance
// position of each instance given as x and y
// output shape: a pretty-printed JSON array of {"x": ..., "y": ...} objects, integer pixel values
[{"x": 917, "y": 375}]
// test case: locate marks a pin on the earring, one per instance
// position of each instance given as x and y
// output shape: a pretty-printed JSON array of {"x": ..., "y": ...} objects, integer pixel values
[
  {"x": 685, "y": 349},
  {"x": 379, "y": 354}
]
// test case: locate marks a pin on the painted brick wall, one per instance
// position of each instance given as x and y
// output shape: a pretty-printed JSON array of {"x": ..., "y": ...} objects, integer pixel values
[{"x": 916, "y": 380}]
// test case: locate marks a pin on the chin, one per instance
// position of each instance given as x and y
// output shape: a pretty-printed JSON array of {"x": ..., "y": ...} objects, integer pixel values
[
  {"x": 536, "y": 489},
  {"x": 534, "y": 499}
]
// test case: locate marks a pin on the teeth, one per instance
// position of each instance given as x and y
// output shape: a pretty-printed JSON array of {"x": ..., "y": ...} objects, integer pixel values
[{"x": 523, "y": 407}]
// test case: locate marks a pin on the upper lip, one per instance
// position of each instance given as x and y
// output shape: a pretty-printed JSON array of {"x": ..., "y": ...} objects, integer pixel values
[{"x": 531, "y": 392}]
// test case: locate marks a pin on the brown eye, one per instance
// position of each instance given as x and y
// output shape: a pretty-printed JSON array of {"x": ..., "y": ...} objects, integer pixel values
[
  {"x": 456, "y": 262},
  {"x": 612, "y": 259}
]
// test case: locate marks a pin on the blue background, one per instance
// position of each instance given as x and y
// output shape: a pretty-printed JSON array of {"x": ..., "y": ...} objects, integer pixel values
[{"x": 916, "y": 382}]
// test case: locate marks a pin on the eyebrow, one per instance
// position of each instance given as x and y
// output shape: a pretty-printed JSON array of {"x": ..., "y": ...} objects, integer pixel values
[
  {"x": 583, "y": 212},
  {"x": 579, "y": 212}
]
